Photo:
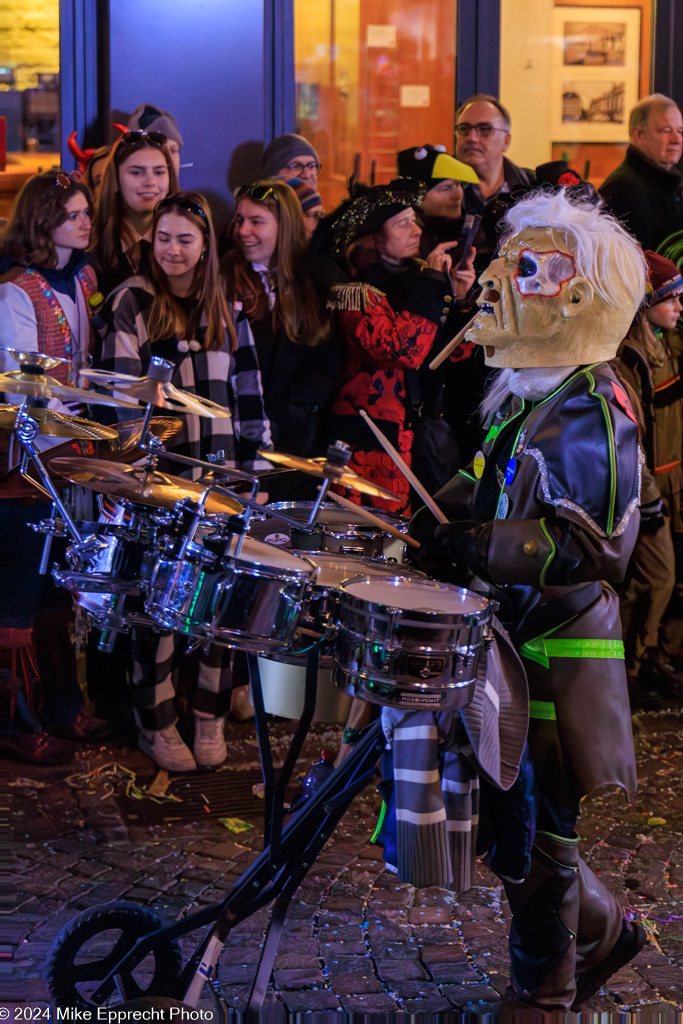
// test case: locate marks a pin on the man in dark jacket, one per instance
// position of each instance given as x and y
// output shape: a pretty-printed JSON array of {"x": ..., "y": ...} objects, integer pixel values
[{"x": 644, "y": 191}]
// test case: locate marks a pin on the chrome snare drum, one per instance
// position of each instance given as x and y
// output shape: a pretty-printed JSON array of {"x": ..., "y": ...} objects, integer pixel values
[
  {"x": 250, "y": 602},
  {"x": 411, "y": 643},
  {"x": 336, "y": 529}
]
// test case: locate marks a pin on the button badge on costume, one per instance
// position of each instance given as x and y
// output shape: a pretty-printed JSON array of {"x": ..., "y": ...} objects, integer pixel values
[
  {"x": 503, "y": 507},
  {"x": 510, "y": 471},
  {"x": 478, "y": 465}
]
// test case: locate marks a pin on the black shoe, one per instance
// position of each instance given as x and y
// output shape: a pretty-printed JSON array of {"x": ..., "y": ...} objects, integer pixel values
[
  {"x": 37, "y": 748},
  {"x": 83, "y": 729},
  {"x": 629, "y": 944}
]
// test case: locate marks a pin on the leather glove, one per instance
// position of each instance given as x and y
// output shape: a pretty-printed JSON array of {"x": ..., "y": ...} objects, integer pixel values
[
  {"x": 652, "y": 517},
  {"x": 465, "y": 544}
]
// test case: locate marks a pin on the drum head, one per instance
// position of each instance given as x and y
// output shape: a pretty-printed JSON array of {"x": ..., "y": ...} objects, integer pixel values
[
  {"x": 416, "y": 595},
  {"x": 255, "y": 554},
  {"x": 332, "y": 570}
]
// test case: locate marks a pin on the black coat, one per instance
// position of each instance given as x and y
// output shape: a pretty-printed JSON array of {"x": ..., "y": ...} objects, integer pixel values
[{"x": 646, "y": 198}]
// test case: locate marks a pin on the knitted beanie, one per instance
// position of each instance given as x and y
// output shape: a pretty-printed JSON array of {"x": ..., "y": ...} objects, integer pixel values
[
  {"x": 665, "y": 281},
  {"x": 149, "y": 118},
  {"x": 432, "y": 164},
  {"x": 305, "y": 193},
  {"x": 282, "y": 151}
]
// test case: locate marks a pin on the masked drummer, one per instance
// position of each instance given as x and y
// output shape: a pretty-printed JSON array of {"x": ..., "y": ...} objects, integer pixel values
[{"x": 548, "y": 512}]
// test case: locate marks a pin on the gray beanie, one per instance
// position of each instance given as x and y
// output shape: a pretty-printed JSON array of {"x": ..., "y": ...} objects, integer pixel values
[
  {"x": 282, "y": 151},
  {"x": 149, "y": 118}
]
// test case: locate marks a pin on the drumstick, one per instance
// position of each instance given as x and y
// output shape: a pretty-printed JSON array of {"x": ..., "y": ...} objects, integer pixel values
[
  {"x": 408, "y": 473},
  {"x": 375, "y": 520},
  {"x": 451, "y": 346}
]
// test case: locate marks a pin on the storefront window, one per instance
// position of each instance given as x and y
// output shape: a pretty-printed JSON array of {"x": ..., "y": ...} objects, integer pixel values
[
  {"x": 570, "y": 75},
  {"x": 372, "y": 77}
]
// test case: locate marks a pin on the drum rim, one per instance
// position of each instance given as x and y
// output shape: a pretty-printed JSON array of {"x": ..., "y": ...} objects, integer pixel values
[
  {"x": 390, "y": 517},
  {"x": 358, "y": 604}
]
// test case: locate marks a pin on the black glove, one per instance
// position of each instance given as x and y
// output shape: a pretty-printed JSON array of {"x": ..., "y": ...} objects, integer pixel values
[
  {"x": 465, "y": 544},
  {"x": 652, "y": 517}
]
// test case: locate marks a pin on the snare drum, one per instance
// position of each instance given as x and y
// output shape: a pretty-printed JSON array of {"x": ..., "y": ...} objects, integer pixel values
[
  {"x": 283, "y": 678},
  {"x": 120, "y": 566},
  {"x": 410, "y": 643},
  {"x": 250, "y": 602},
  {"x": 336, "y": 529}
]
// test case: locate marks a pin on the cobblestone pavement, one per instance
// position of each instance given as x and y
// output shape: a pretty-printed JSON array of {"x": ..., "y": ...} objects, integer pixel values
[{"x": 354, "y": 939}]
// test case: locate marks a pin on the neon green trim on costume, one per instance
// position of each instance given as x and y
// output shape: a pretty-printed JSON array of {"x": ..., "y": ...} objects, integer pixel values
[
  {"x": 544, "y": 709},
  {"x": 493, "y": 432},
  {"x": 380, "y": 822},
  {"x": 542, "y": 649},
  {"x": 468, "y": 476},
  {"x": 553, "y": 551},
  {"x": 612, "y": 454}
]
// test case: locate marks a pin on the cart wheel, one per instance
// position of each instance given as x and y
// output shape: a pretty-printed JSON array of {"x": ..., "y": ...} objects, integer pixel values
[{"x": 90, "y": 945}]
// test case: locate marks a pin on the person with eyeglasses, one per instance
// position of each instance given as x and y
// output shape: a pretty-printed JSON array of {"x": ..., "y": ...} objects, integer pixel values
[
  {"x": 290, "y": 156},
  {"x": 178, "y": 311},
  {"x": 482, "y": 138},
  {"x": 44, "y": 307},
  {"x": 644, "y": 191},
  {"x": 139, "y": 172},
  {"x": 301, "y": 364}
]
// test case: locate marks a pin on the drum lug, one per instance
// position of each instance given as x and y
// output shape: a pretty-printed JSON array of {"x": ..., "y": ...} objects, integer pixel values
[{"x": 488, "y": 637}]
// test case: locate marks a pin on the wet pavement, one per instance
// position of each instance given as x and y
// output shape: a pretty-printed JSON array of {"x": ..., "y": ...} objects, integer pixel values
[{"x": 355, "y": 939}]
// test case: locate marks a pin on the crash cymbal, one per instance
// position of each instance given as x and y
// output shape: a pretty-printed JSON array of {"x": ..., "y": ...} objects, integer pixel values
[
  {"x": 163, "y": 394},
  {"x": 343, "y": 477},
  {"x": 56, "y": 424},
  {"x": 146, "y": 487},
  {"x": 130, "y": 432},
  {"x": 39, "y": 385},
  {"x": 36, "y": 359}
]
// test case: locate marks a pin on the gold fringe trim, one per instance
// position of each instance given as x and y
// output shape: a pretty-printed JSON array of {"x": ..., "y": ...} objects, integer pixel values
[{"x": 353, "y": 297}]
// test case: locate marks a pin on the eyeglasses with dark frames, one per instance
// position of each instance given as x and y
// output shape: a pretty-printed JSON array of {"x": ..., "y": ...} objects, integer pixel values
[
  {"x": 189, "y": 205},
  {"x": 137, "y": 137},
  {"x": 482, "y": 128},
  {"x": 298, "y": 168},
  {"x": 259, "y": 193}
]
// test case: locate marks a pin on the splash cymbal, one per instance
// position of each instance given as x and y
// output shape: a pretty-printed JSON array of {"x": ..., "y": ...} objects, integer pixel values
[
  {"x": 39, "y": 385},
  {"x": 56, "y": 424},
  {"x": 326, "y": 470},
  {"x": 130, "y": 432},
  {"x": 138, "y": 484},
  {"x": 151, "y": 391}
]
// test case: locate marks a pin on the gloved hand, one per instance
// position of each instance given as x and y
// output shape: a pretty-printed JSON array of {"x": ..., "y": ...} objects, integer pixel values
[
  {"x": 465, "y": 544},
  {"x": 652, "y": 517}
]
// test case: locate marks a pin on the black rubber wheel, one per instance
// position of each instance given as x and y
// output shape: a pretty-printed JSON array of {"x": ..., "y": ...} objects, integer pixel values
[{"x": 91, "y": 944}]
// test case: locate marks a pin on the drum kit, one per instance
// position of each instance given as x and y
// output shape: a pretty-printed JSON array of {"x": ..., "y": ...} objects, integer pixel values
[
  {"x": 315, "y": 593},
  {"x": 197, "y": 558}
]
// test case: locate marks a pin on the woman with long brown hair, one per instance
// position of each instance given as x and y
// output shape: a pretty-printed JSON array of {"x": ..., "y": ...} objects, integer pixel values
[
  {"x": 138, "y": 174},
  {"x": 300, "y": 365},
  {"x": 179, "y": 312}
]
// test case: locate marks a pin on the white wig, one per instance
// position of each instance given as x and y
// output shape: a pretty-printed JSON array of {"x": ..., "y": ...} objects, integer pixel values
[{"x": 606, "y": 254}]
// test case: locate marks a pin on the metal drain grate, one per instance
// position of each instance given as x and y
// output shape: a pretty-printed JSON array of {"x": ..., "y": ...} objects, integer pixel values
[{"x": 220, "y": 794}]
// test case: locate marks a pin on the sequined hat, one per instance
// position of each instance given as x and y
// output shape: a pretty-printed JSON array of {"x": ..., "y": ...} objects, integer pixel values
[{"x": 371, "y": 210}]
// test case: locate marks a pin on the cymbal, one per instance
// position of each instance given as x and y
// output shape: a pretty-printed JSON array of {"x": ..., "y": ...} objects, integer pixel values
[
  {"x": 156, "y": 392},
  {"x": 146, "y": 487},
  {"x": 338, "y": 475},
  {"x": 39, "y": 385},
  {"x": 37, "y": 360},
  {"x": 130, "y": 432},
  {"x": 56, "y": 424}
]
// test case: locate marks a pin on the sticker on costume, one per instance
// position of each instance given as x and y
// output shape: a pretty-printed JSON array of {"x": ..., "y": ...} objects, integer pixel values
[
  {"x": 624, "y": 401},
  {"x": 503, "y": 506},
  {"x": 521, "y": 443},
  {"x": 277, "y": 538},
  {"x": 510, "y": 471},
  {"x": 479, "y": 463}
]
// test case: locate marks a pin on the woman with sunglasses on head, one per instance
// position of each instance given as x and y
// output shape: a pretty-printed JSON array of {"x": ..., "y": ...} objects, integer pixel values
[
  {"x": 179, "y": 312},
  {"x": 300, "y": 364},
  {"x": 44, "y": 307},
  {"x": 138, "y": 173}
]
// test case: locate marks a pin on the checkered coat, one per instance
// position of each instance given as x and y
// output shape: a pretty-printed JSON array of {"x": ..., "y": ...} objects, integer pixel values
[{"x": 230, "y": 379}]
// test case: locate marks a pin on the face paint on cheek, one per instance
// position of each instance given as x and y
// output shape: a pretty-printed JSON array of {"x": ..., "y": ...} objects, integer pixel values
[{"x": 543, "y": 273}]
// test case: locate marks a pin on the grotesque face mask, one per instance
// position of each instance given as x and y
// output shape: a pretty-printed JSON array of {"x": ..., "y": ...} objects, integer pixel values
[{"x": 535, "y": 309}]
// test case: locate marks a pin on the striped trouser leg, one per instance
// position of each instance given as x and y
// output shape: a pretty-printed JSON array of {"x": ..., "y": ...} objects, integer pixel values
[
  {"x": 153, "y": 685},
  {"x": 214, "y": 682}
]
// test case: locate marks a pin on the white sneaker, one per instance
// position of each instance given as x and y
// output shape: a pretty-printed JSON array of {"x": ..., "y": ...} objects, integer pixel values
[
  {"x": 167, "y": 749},
  {"x": 209, "y": 744}
]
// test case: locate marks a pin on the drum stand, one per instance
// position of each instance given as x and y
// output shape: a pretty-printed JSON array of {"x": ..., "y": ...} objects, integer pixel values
[{"x": 289, "y": 851}]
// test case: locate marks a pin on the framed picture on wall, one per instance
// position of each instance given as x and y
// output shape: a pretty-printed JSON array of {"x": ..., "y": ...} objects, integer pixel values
[{"x": 596, "y": 66}]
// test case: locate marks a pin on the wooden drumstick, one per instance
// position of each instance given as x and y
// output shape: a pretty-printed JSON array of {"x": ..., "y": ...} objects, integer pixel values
[
  {"x": 374, "y": 520},
  {"x": 451, "y": 346},
  {"x": 407, "y": 472}
]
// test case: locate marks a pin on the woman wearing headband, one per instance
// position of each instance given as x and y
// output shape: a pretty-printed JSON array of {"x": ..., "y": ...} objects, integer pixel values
[
  {"x": 179, "y": 312},
  {"x": 263, "y": 271},
  {"x": 138, "y": 174}
]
